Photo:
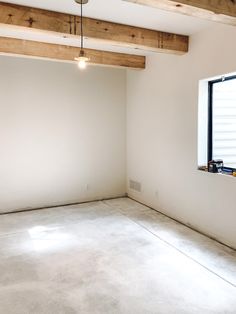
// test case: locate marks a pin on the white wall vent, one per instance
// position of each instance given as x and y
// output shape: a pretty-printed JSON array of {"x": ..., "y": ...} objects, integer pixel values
[{"x": 134, "y": 185}]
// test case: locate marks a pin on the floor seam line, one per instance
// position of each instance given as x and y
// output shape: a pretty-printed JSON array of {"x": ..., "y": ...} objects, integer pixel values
[
  {"x": 189, "y": 257},
  {"x": 174, "y": 247}
]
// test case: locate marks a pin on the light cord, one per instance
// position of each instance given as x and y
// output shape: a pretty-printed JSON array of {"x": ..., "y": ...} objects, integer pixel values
[{"x": 81, "y": 27}]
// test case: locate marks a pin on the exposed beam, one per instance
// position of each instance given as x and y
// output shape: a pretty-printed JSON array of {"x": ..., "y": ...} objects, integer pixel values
[
  {"x": 12, "y": 46},
  {"x": 67, "y": 25},
  {"x": 223, "y": 11}
]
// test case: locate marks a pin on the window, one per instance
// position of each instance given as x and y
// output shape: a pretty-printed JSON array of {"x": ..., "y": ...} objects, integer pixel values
[{"x": 222, "y": 121}]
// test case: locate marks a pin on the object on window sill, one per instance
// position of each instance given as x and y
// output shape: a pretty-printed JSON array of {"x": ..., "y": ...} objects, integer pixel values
[
  {"x": 227, "y": 171},
  {"x": 215, "y": 166},
  {"x": 203, "y": 168}
]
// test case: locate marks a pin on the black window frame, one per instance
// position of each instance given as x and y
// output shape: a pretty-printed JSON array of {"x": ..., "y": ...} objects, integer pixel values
[{"x": 210, "y": 115}]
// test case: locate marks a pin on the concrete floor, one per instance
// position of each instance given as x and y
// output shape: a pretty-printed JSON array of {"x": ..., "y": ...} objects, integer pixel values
[{"x": 111, "y": 257}]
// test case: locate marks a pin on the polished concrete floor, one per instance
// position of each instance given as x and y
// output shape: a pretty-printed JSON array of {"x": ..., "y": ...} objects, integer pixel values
[{"x": 111, "y": 257}]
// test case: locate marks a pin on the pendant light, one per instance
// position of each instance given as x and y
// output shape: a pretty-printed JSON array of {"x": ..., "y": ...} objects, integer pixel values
[{"x": 82, "y": 59}]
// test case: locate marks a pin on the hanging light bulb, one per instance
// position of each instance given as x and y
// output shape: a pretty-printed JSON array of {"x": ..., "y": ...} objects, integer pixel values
[
  {"x": 82, "y": 60},
  {"x": 82, "y": 64}
]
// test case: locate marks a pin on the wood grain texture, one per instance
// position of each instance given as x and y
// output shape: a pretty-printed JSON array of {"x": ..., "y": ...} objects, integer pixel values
[
  {"x": 12, "y": 46},
  {"x": 99, "y": 31},
  {"x": 223, "y": 11}
]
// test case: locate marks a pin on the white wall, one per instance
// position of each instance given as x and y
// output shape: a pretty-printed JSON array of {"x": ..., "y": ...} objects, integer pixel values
[
  {"x": 162, "y": 136},
  {"x": 62, "y": 133}
]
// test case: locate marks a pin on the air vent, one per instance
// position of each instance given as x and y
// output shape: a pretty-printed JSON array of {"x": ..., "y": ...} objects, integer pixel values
[{"x": 134, "y": 185}]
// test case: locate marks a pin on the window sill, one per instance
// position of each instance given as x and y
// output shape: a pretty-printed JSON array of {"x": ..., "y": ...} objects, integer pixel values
[{"x": 204, "y": 169}]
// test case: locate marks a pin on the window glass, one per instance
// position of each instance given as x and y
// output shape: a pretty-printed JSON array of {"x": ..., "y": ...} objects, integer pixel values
[{"x": 224, "y": 121}]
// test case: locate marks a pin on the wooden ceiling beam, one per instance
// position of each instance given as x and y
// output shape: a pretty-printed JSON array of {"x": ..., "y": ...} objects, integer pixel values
[
  {"x": 12, "y": 46},
  {"x": 219, "y": 11},
  {"x": 67, "y": 25}
]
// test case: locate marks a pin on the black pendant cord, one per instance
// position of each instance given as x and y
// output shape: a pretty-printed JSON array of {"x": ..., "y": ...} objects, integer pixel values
[{"x": 81, "y": 27}]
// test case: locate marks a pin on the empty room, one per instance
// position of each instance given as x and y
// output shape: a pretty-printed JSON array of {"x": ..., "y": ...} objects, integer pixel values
[{"x": 118, "y": 157}]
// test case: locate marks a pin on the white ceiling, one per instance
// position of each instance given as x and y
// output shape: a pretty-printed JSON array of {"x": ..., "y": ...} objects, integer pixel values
[{"x": 116, "y": 11}]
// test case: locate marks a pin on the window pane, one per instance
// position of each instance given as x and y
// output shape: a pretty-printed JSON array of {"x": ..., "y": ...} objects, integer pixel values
[{"x": 224, "y": 122}]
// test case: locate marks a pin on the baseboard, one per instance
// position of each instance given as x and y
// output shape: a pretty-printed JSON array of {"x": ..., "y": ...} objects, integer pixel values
[
  {"x": 184, "y": 224},
  {"x": 62, "y": 204}
]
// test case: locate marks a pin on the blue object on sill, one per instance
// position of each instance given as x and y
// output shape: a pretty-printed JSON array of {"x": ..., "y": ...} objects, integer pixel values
[{"x": 227, "y": 171}]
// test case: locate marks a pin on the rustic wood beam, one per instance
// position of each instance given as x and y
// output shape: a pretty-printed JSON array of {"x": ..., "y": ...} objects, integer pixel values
[
  {"x": 12, "y": 46},
  {"x": 223, "y": 11},
  {"x": 67, "y": 25}
]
